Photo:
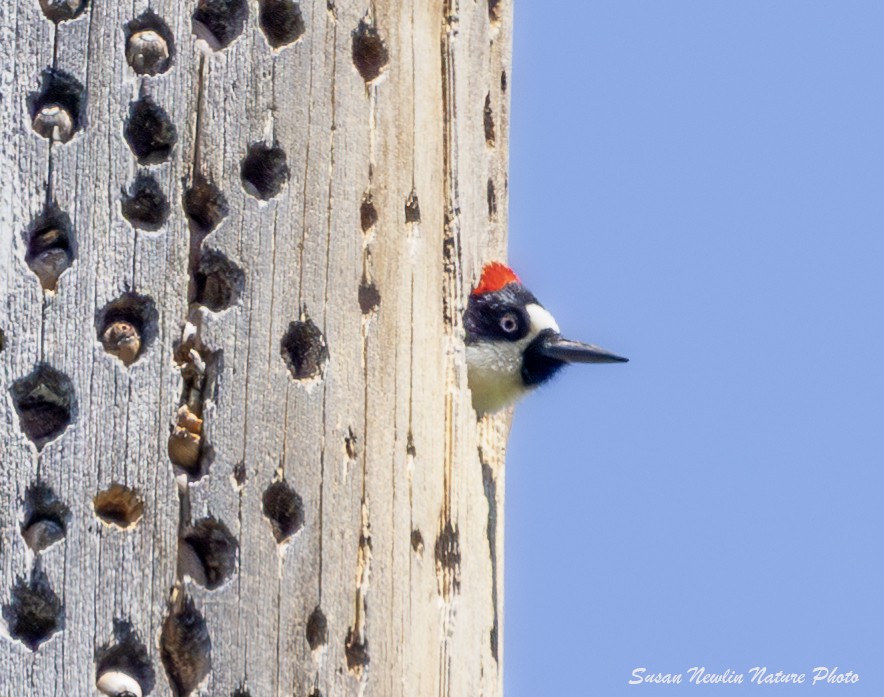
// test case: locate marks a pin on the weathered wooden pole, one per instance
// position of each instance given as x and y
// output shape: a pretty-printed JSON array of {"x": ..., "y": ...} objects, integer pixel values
[{"x": 236, "y": 440}]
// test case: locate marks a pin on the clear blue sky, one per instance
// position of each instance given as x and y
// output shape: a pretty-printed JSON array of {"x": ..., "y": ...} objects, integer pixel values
[{"x": 699, "y": 186}]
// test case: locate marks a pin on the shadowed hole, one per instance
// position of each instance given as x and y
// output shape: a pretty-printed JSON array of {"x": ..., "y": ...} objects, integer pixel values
[
  {"x": 150, "y": 132},
  {"x": 304, "y": 349},
  {"x": 317, "y": 629},
  {"x": 281, "y": 21},
  {"x": 150, "y": 46},
  {"x": 219, "y": 22},
  {"x": 284, "y": 509},
  {"x": 492, "y": 201},
  {"x": 368, "y": 214},
  {"x": 488, "y": 116},
  {"x": 145, "y": 205},
  {"x": 219, "y": 282},
  {"x": 46, "y": 517},
  {"x": 356, "y": 651},
  {"x": 204, "y": 205},
  {"x": 264, "y": 171},
  {"x": 447, "y": 555},
  {"x": 208, "y": 553},
  {"x": 185, "y": 647},
  {"x": 57, "y": 108},
  {"x": 495, "y": 10},
  {"x": 50, "y": 246},
  {"x": 417, "y": 542},
  {"x": 369, "y": 297},
  {"x": 123, "y": 666},
  {"x": 127, "y": 326},
  {"x": 503, "y": 81},
  {"x": 119, "y": 505},
  {"x": 370, "y": 55},
  {"x": 34, "y": 612},
  {"x": 44, "y": 401},
  {"x": 412, "y": 208}
]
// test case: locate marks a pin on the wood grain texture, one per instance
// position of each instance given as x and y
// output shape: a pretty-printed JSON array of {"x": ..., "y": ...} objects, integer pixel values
[{"x": 393, "y": 583}]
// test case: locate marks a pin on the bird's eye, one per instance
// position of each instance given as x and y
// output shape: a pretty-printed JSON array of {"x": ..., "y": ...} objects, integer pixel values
[{"x": 510, "y": 323}]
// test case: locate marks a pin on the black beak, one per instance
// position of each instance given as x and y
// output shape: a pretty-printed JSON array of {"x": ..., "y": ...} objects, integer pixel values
[{"x": 575, "y": 352}]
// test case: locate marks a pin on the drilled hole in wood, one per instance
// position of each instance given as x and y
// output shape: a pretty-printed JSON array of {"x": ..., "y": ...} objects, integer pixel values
[
  {"x": 188, "y": 449},
  {"x": 264, "y": 171},
  {"x": 58, "y": 106},
  {"x": 503, "y": 81},
  {"x": 127, "y": 326},
  {"x": 284, "y": 509},
  {"x": 219, "y": 22},
  {"x": 489, "y": 121},
  {"x": 304, "y": 349},
  {"x": 2, "y": 340},
  {"x": 119, "y": 505},
  {"x": 356, "y": 651},
  {"x": 46, "y": 517},
  {"x": 370, "y": 55},
  {"x": 317, "y": 629},
  {"x": 208, "y": 553},
  {"x": 241, "y": 692},
  {"x": 150, "y": 132},
  {"x": 150, "y": 46},
  {"x": 204, "y": 205},
  {"x": 219, "y": 282},
  {"x": 281, "y": 21},
  {"x": 123, "y": 666},
  {"x": 495, "y": 10},
  {"x": 368, "y": 214},
  {"x": 44, "y": 401},
  {"x": 50, "y": 246},
  {"x": 62, "y": 10},
  {"x": 492, "y": 201},
  {"x": 239, "y": 475},
  {"x": 351, "y": 445},
  {"x": 412, "y": 208},
  {"x": 447, "y": 555},
  {"x": 417, "y": 543},
  {"x": 145, "y": 205},
  {"x": 34, "y": 612},
  {"x": 185, "y": 647},
  {"x": 369, "y": 297}
]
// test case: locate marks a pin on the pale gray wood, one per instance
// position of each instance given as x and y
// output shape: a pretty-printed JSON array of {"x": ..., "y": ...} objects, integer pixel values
[{"x": 383, "y": 448}]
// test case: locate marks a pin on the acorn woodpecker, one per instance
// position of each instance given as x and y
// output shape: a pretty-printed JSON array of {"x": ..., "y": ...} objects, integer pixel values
[{"x": 513, "y": 344}]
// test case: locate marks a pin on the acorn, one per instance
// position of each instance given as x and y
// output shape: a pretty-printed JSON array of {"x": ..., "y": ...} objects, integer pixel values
[
  {"x": 116, "y": 683},
  {"x": 147, "y": 52},
  {"x": 54, "y": 122},
  {"x": 121, "y": 339}
]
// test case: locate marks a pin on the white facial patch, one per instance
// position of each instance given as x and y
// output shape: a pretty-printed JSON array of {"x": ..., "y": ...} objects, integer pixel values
[{"x": 540, "y": 319}]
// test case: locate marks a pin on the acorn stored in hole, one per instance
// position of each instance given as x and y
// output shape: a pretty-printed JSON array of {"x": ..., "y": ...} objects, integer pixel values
[
  {"x": 122, "y": 339},
  {"x": 147, "y": 52},
  {"x": 116, "y": 683},
  {"x": 54, "y": 122}
]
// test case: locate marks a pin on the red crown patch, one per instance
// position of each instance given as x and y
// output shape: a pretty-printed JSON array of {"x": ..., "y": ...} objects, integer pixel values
[{"x": 494, "y": 277}]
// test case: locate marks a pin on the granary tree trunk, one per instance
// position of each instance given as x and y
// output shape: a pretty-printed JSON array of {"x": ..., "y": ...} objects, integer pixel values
[{"x": 238, "y": 452}]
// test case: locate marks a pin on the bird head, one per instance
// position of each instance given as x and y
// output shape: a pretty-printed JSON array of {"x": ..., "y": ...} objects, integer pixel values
[{"x": 513, "y": 343}]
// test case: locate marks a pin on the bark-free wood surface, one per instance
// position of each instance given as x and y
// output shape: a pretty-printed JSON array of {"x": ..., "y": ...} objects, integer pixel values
[{"x": 401, "y": 547}]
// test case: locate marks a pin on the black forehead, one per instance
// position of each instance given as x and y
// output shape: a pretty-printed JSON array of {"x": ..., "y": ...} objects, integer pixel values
[{"x": 484, "y": 311}]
